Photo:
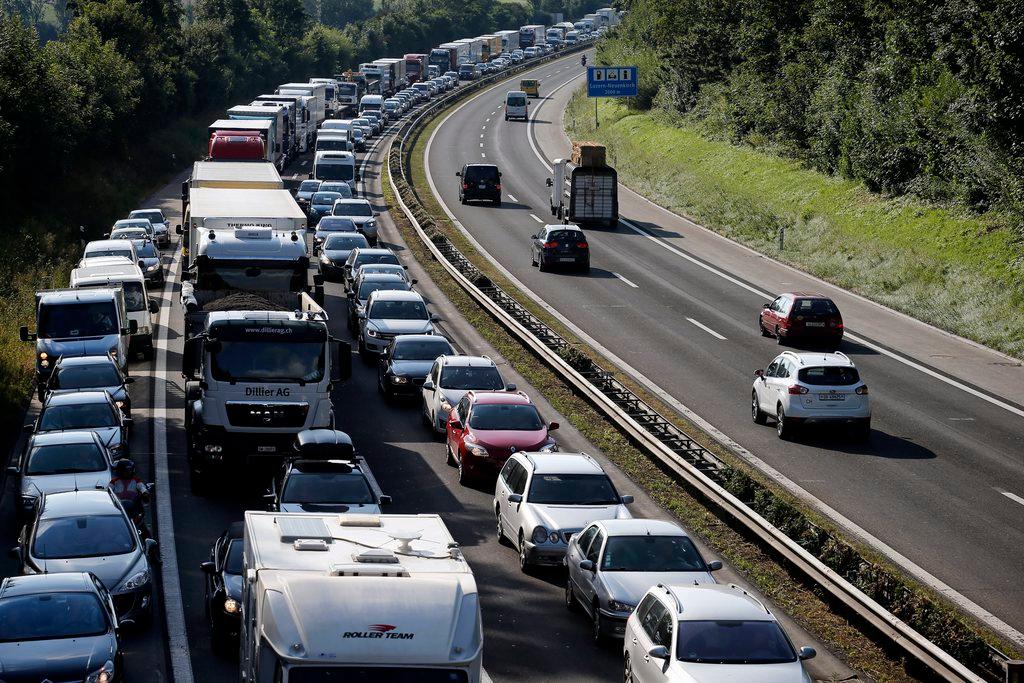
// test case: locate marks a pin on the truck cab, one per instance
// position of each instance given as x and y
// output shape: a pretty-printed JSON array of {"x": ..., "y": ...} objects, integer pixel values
[
  {"x": 117, "y": 272},
  {"x": 79, "y": 322},
  {"x": 387, "y": 597},
  {"x": 335, "y": 166}
]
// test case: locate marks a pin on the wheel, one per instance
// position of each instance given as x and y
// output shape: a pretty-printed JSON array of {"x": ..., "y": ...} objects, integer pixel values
[
  {"x": 148, "y": 353},
  {"x": 541, "y": 265},
  {"x": 585, "y": 269},
  {"x": 627, "y": 670},
  {"x": 498, "y": 532},
  {"x": 778, "y": 336},
  {"x": 462, "y": 200},
  {"x": 533, "y": 259},
  {"x": 465, "y": 479},
  {"x": 426, "y": 417},
  {"x": 496, "y": 202},
  {"x": 524, "y": 561},
  {"x": 764, "y": 332},
  {"x": 756, "y": 413},
  {"x": 783, "y": 426},
  {"x": 41, "y": 392},
  {"x": 506, "y": 118},
  {"x": 570, "y": 599},
  {"x": 450, "y": 457},
  {"x": 597, "y": 632}
]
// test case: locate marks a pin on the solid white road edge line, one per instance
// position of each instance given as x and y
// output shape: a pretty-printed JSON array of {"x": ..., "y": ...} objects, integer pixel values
[
  {"x": 628, "y": 282},
  {"x": 170, "y": 578},
  {"x": 706, "y": 329},
  {"x": 936, "y": 584},
  {"x": 1012, "y": 496}
]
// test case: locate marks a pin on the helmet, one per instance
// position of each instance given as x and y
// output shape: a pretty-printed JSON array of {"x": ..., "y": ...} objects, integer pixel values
[{"x": 124, "y": 468}]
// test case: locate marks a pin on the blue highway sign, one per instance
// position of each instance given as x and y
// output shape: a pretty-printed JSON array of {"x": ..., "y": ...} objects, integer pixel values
[{"x": 611, "y": 81}]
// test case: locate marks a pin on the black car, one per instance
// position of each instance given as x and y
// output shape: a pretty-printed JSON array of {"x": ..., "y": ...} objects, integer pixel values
[
  {"x": 321, "y": 204},
  {"x": 360, "y": 257},
  {"x": 480, "y": 181},
  {"x": 58, "y": 627},
  {"x": 335, "y": 250},
  {"x": 224, "y": 588},
  {"x": 405, "y": 364},
  {"x": 560, "y": 245},
  {"x": 305, "y": 191},
  {"x": 317, "y": 486}
]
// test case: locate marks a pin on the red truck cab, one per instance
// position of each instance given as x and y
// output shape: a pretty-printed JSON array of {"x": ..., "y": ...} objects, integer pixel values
[
  {"x": 415, "y": 67},
  {"x": 236, "y": 145}
]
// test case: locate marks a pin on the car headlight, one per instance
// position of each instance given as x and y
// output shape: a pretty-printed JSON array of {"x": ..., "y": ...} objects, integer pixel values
[
  {"x": 550, "y": 448},
  {"x": 616, "y": 606},
  {"x": 540, "y": 534},
  {"x": 398, "y": 379},
  {"x": 478, "y": 451},
  {"x": 372, "y": 332},
  {"x": 370, "y": 223},
  {"x": 136, "y": 580},
  {"x": 153, "y": 267},
  {"x": 44, "y": 360},
  {"x": 119, "y": 404},
  {"x": 104, "y": 674},
  {"x": 112, "y": 351},
  {"x": 231, "y": 606},
  {"x": 446, "y": 405}
]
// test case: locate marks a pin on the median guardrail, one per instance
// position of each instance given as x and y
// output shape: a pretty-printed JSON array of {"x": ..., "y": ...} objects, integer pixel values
[{"x": 679, "y": 453}]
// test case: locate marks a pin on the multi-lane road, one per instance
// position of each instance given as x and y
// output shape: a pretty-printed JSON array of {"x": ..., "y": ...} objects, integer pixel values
[
  {"x": 939, "y": 487},
  {"x": 529, "y": 635}
]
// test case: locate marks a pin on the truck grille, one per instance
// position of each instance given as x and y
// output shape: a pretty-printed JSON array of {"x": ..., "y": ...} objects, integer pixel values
[{"x": 267, "y": 415}]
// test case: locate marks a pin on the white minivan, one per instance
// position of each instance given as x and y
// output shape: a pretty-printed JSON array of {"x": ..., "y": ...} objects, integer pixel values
[
  {"x": 333, "y": 141},
  {"x": 113, "y": 271},
  {"x": 340, "y": 166},
  {"x": 516, "y": 105}
]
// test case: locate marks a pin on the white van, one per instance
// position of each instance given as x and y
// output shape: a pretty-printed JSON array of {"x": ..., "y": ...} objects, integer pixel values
[
  {"x": 516, "y": 106},
  {"x": 336, "y": 126},
  {"x": 114, "y": 271},
  {"x": 333, "y": 141},
  {"x": 335, "y": 166},
  {"x": 370, "y": 103}
]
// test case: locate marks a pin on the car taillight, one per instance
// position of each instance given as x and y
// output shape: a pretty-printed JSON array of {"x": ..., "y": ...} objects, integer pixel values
[
  {"x": 465, "y": 186},
  {"x": 838, "y": 324},
  {"x": 796, "y": 390},
  {"x": 550, "y": 245},
  {"x": 862, "y": 390},
  {"x": 582, "y": 245},
  {"x": 498, "y": 186}
]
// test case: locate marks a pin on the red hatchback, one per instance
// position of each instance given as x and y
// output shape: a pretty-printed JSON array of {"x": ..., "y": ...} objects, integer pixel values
[
  {"x": 486, "y": 427},
  {"x": 800, "y": 316}
]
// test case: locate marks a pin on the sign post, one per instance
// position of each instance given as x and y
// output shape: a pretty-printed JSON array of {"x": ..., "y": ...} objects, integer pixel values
[{"x": 610, "y": 81}]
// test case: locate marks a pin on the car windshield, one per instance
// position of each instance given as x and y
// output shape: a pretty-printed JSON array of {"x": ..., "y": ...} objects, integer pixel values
[
  {"x": 233, "y": 565},
  {"x": 829, "y": 376},
  {"x": 565, "y": 236},
  {"x": 327, "y": 487},
  {"x": 268, "y": 360},
  {"x": 814, "y": 307},
  {"x": 145, "y": 249},
  {"x": 86, "y": 536},
  {"x": 572, "y": 489},
  {"x": 337, "y": 223},
  {"x": 65, "y": 458},
  {"x": 49, "y": 616},
  {"x": 421, "y": 349},
  {"x": 392, "y": 268},
  {"x": 128, "y": 224},
  {"x": 78, "y": 320},
  {"x": 342, "y": 241},
  {"x": 344, "y": 189},
  {"x": 465, "y": 378},
  {"x": 365, "y": 258},
  {"x": 375, "y": 674},
  {"x": 398, "y": 310},
  {"x": 651, "y": 554},
  {"x": 733, "y": 642},
  {"x": 86, "y": 376},
  {"x": 331, "y": 171},
  {"x": 101, "y": 251},
  {"x": 309, "y": 185},
  {"x": 128, "y": 234},
  {"x": 480, "y": 174},
  {"x": 516, "y": 101},
  {"x": 505, "y": 417},
  {"x": 353, "y": 209},
  {"x": 325, "y": 198},
  {"x": 370, "y": 286},
  {"x": 151, "y": 216},
  {"x": 82, "y": 416}
]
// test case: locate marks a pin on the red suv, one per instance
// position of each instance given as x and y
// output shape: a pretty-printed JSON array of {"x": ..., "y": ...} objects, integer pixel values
[
  {"x": 486, "y": 427},
  {"x": 798, "y": 315}
]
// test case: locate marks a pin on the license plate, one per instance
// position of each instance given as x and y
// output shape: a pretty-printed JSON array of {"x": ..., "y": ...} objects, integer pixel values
[
  {"x": 266, "y": 449},
  {"x": 831, "y": 397},
  {"x": 483, "y": 187},
  {"x": 815, "y": 324},
  {"x": 566, "y": 259}
]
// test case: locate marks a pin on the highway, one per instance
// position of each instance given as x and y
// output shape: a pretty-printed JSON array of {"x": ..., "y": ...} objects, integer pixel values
[
  {"x": 939, "y": 487},
  {"x": 529, "y": 635}
]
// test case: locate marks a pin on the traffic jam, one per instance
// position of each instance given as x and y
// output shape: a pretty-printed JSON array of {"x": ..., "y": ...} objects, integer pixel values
[{"x": 289, "y": 588}]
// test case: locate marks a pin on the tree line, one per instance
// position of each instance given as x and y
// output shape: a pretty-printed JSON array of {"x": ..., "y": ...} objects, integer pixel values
[{"x": 908, "y": 96}]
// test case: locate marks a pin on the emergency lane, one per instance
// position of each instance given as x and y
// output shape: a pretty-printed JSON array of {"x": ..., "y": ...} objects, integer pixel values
[{"x": 939, "y": 457}]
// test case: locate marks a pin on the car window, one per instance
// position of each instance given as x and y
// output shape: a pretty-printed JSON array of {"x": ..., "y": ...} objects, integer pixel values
[
  {"x": 506, "y": 417},
  {"x": 481, "y": 174},
  {"x": 86, "y": 376},
  {"x": 345, "y": 241},
  {"x": 651, "y": 554},
  {"x": 834, "y": 376},
  {"x": 375, "y": 258},
  {"x": 368, "y": 287},
  {"x": 421, "y": 349},
  {"x": 814, "y": 307},
  {"x": 82, "y": 416},
  {"x": 663, "y": 630},
  {"x": 776, "y": 305},
  {"x": 733, "y": 642},
  {"x": 82, "y": 536},
  {"x": 594, "y": 551},
  {"x": 644, "y": 606},
  {"x": 309, "y": 185},
  {"x": 585, "y": 538},
  {"x": 519, "y": 479},
  {"x": 652, "y": 618},
  {"x": 398, "y": 310},
  {"x": 572, "y": 489},
  {"x": 507, "y": 470},
  {"x": 47, "y": 616},
  {"x": 462, "y": 408},
  {"x": 327, "y": 487},
  {"x": 465, "y": 378},
  {"x": 233, "y": 565},
  {"x": 516, "y": 101},
  {"x": 784, "y": 370},
  {"x": 67, "y": 458},
  {"x": 772, "y": 370}
]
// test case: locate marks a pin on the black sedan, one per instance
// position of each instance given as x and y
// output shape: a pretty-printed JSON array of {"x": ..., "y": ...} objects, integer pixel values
[
  {"x": 335, "y": 251},
  {"x": 405, "y": 364},
  {"x": 559, "y": 246},
  {"x": 58, "y": 627},
  {"x": 305, "y": 192},
  {"x": 321, "y": 204},
  {"x": 224, "y": 588}
]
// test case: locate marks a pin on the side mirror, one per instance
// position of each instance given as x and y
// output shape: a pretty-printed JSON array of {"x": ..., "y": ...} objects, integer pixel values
[
  {"x": 208, "y": 568},
  {"x": 106, "y": 235},
  {"x": 154, "y": 307},
  {"x": 413, "y": 281},
  {"x": 510, "y": 387},
  {"x": 658, "y": 652},
  {"x": 434, "y": 317},
  {"x": 499, "y": 174},
  {"x": 25, "y": 335},
  {"x": 343, "y": 361},
  {"x": 310, "y": 176},
  {"x": 765, "y": 305},
  {"x": 759, "y": 373},
  {"x": 428, "y": 385},
  {"x": 553, "y": 426},
  {"x": 141, "y": 264},
  {"x": 127, "y": 421},
  {"x": 15, "y": 553},
  {"x": 515, "y": 498},
  {"x": 177, "y": 228},
  {"x": 714, "y": 565},
  {"x": 626, "y": 499},
  {"x": 152, "y": 547},
  {"x": 13, "y": 471},
  {"x": 350, "y": 295},
  {"x": 384, "y": 500},
  {"x": 587, "y": 565},
  {"x": 129, "y": 380},
  {"x": 458, "y": 174},
  {"x": 807, "y": 652},
  {"x": 533, "y": 237},
  {"x": 190, "y": 357}
]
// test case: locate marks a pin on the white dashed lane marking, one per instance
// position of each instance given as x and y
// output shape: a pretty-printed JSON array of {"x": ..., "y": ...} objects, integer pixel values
[{"x": 706, "y": 329}]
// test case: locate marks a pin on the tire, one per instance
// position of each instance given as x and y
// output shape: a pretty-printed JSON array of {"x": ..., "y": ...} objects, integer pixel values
[
  {"x": 498, "y": 532},
  {"x": 462, "y": 200},
  {"x": 756, "y": 413},
  {"x": 585, "y": 269},
  {"x": 148, "y": 353},
  {"x": 783, "y": 425},
  {"x": 597, "y": 632},
  {"x": 533, "y": 259},
  {"x": 450, "y": 457},
  {"x": 778, "y": 337},
  {"x": 426, "y": 417},
  {"x": 465, "y": 479},
  {"x": 570, "y": 598},
  {"x": 541, "y": 265},
  {"x": 41, "y": 392},
  {"x": 524, "y": 562},
  {"x": 760, "y": 324},
  {"x": 496, "y": 202},
  {"x": 627, "y": 670}
]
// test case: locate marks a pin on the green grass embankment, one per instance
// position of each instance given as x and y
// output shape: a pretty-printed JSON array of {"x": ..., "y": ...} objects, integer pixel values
[{"x": 963, "y": 273}]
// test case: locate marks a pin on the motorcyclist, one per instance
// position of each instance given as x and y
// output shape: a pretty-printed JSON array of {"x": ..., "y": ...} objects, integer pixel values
[{"x": 132, "y": 493}]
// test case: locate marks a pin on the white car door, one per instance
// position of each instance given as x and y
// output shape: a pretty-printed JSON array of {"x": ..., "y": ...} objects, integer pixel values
[
  {"x": 501, "y": 494},
  {"x": 430, "y": 393},
  {"x": 575, "y": 554},
  {"x": 589, "y": 578},
  {"x": 514, "y": 511},
  {"x": 765, "y": 392},
  {"x": 655, "y": 629}
]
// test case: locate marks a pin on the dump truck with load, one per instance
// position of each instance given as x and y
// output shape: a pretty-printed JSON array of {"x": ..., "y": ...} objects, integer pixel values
[{"x": 584, "y": 189}]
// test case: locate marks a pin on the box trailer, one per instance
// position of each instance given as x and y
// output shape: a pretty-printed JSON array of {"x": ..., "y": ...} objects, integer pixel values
[
  {"x": 509, "y": 41},
  {"x": 234, "y": 175},
  {"x": 280, "y": 129},
  {"x": 415, "y": 67},
  {"x": 304, "y": 127},
  {"x": 530, "y": 35},
  {"x": 217, "y": 208},
  {"x": 265, "y": 128},
  {"x": 585, "y": 195},
  {"x": 316, "y": 102}
]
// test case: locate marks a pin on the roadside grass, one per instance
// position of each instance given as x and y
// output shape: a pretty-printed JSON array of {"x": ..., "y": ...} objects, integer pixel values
[
  {"x": 41, "y": 251},
  {"x": 960, "y": 272},
  {"x": 801, "y": 601}
]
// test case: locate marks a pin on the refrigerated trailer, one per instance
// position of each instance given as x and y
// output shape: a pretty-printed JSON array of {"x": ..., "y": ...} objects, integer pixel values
[
  {"x": 265, "y": 128},
  {"x": 234, "y": 175},
  {"x": 585, "y": 195},
  {"x": 509, "y": 41}
]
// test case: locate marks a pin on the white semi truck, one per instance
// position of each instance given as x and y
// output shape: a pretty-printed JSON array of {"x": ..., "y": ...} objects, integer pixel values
[
  {"x": 230, "y": 205},
  {"x": 383, "y": 598}
]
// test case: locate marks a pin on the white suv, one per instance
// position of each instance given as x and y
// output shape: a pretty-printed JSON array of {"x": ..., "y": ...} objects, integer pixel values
[
  {"x": 811, "y": 387},
  {"x": 450, "y": 378},
  {"x": 709, "y": 632},
  {"x": 542, "y": 499}
]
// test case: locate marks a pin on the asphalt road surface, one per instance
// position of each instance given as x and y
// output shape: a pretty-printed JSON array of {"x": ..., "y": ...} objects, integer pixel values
[{"x": 939, "y": 487}]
